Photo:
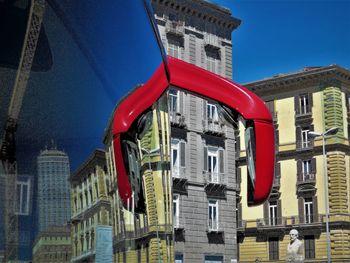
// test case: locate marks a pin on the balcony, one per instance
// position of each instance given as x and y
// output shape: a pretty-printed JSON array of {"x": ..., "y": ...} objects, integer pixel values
[
  {"x": 304, "y": 145},
  {"x": 307, "y": 179},
  {"x": 214, "y": 182},
  {"x": 177, "y": 119},
  {"x": 270, "y": 222},
  {"x": 176, "y": 28},
  {"x": 213, "y": 226},
  {"x": 214, "y": 127},
  {"x": 303, "y": 116},
  {"x": 179, "y": 179},
  {"x": 212, "y": 41}
]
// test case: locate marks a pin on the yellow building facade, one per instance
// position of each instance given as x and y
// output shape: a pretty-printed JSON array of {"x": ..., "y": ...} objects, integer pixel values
[
  {"x": 314, "y": 99},
  {"x": 90, "y": 207},
  {"x": 144, "y": 234}
]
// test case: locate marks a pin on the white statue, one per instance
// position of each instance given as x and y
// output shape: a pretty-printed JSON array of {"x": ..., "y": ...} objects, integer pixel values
[{"x": 295, "y": 248}]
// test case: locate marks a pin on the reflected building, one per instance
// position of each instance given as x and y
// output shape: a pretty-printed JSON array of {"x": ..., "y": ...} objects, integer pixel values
[
  {"x": 312, "y": 99},
  {"x": 91, "y": 228},
  {"x": 53, "y": 188},
  {"x": 53, "y": 245},
  {"x": 202, "y": 145}
]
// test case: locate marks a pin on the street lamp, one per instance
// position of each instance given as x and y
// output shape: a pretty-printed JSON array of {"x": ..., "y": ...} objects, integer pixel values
[{"x": 331, "y": 131}]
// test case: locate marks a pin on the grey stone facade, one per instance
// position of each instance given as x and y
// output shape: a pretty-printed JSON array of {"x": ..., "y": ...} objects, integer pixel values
[{"x": 203, "y": 148}]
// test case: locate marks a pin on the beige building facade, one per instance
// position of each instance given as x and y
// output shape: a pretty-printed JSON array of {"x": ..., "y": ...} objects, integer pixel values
[
  {"x": 314, "y": 99},
  {"x": 90, "y": 207}
]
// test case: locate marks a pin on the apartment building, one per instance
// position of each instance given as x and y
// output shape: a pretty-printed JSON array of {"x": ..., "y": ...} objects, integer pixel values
[
  {"x": 91, "y": 230},
  {"x": 202, "y": 146},
  {"x": 313, "y": 99},
  {"x": 53, "y": 245}
]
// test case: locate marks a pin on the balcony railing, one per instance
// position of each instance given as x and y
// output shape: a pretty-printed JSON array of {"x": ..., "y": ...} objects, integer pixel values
[
  {"x": 307, "y": 179},
  {"x": 178, "y": 172},
  {"x": 175, "y": 27},
  {"x": 213, "y": 225},
  {"x": 305, "y": 145},
  {"x": 215, "y": 178},
  {"x": 271, "y": 222},
  {"x": 177, "y": 118},
  {"x": 277, "y": 180},
  {"x": 213, "y": 126}
]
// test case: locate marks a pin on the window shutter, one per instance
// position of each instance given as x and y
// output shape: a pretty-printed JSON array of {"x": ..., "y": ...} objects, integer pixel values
[
  {"x": 205, "y": 161},
  {"x": 313, "y": 166},
  {"x": 296, "y": 105},
  {"x": 301, "y": 209},
  {"x": 204, "y": 110},
  {"x": 315, "y": 209},
  {"x": 266, "y": 211},
  {"x": 310, "y": 102},
  {"x": 221, "y": 160},
  {"x": 279, "y": 212},
  {"x": 182, "y": 154},
  {"x": 299, "y": 171},
  {"x": 238, "y": 176},
  {"x": 277, "y": 138},
  {"x": 278, "y": 170},
  {"x": 298, "y": 137},
  {"x": 181, "y": 102}
]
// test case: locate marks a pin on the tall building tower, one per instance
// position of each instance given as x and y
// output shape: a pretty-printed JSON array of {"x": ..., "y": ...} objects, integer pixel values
[
  {"x": 202, "y": 147},
  {"x": 53, "y": 188}
]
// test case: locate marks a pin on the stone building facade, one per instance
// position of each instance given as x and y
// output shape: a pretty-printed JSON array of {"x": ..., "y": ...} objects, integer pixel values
[
  {"x": 313, "y": 99},
  {"x": 90, "y": 209},
  {"x": 202, "y": 146}
]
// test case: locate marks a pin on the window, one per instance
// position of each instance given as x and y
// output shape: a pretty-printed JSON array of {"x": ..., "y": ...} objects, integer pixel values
[
  {"x": 213, "y": 165},
  {"x": 212, "y": 59},
  {"x": 178, "y": 160},
  {"x": 309, "y": 244},
  {"x": 304, "y": 138},
  {"x": 179, "y": 258},
  {"x": 174, "y": 47},
  {"x": 307, "y": 170},
  {"x": 304, "y": 104},
  {"x": 213, "y": 222},
  {"x": 213, "y": 259},
  {"x": 176, "y": 210},
  {"x": 23, "y": 196},
  {"x": 174, "y": 101},
  {"x": 308, "y": 209},
  {"x": 273, "y": 213},
  {"x": 273, "y": 248},
  {"x": 212, "y": 112}
]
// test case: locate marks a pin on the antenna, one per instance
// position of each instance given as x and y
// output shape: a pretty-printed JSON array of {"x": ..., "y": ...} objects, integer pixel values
[{"x": 149, "y": 11}]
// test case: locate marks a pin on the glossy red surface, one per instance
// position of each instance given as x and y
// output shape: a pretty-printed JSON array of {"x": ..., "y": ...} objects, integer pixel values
[{"x": 206, "y": 84}]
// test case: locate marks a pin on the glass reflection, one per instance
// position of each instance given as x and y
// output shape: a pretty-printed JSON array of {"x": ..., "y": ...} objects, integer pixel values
[
  {"x": 63, "y": 66},
  {"x": 144, "y": 228}
]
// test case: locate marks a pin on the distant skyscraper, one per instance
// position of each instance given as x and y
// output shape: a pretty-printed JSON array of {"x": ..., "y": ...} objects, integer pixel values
[{"x": 53, "y": 188}]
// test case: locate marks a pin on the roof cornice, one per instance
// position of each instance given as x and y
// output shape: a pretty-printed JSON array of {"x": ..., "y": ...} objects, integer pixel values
[
  {"x": 315, "y": 76},
  {"x": 204, "y": 10}
]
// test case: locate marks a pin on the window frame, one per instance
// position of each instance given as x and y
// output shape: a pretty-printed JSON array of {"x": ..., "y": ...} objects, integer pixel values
[
  {"x": 176, "y": 210},
  {"x": 19, "y": 202},
  {"x": 308, "y": 210},
  {"x": 304, "y": 104},
  {"x": 213, "y": 223},
  {"x": 273, "y": 213},
  {"x": 305, "y": 142}
]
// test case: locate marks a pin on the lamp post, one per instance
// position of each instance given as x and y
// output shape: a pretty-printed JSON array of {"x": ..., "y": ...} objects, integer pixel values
[{"x": 331, "y": 131}]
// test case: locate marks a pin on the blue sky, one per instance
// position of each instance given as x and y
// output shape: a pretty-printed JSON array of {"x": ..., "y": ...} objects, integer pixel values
[{"x": 285, "y": 36}]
